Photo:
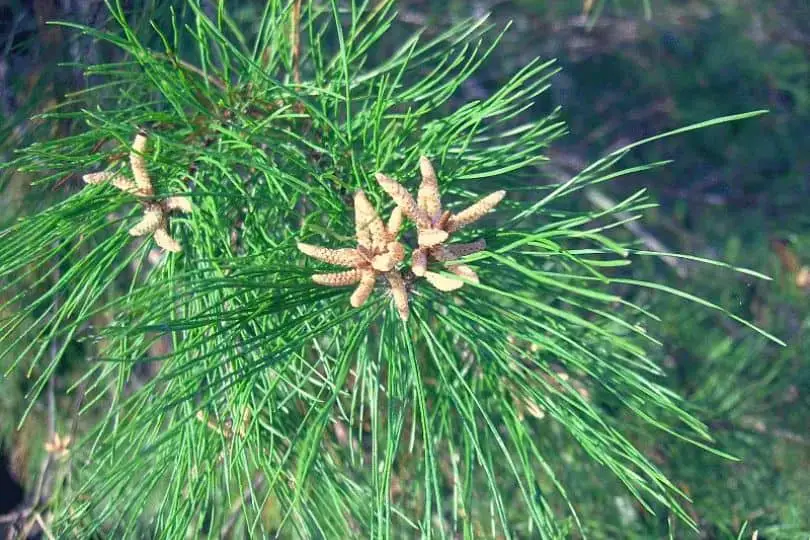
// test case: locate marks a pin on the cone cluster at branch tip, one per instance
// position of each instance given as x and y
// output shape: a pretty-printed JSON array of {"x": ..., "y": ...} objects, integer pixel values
[
  {"x": 155, "y": 219},
  {"x": 378, "y": 252},
  {"x": 435, "y": 225}
]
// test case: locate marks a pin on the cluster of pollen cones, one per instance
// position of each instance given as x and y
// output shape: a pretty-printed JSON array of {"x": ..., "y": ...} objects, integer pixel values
[
  {"x": 155, "y": 219},
  {"x": 378, "y": 252}
]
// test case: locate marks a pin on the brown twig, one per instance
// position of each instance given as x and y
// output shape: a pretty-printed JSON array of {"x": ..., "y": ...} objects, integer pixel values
[
  {"x": 295, "y": 41},
  {"x": 216, "y": 81},
  {"x": 17, "y": 515},
  {"x": 43, "y": 526}
]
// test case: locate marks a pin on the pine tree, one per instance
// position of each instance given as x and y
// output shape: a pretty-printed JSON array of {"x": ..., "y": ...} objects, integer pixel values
[{"x": 307, "y": 296}]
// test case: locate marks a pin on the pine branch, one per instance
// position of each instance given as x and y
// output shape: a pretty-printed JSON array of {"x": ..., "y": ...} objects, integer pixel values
[{"x": 365, "y": 410}]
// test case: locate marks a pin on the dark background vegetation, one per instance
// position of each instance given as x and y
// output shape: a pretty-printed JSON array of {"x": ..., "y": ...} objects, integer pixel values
[{"x": 737, "y": 192}]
